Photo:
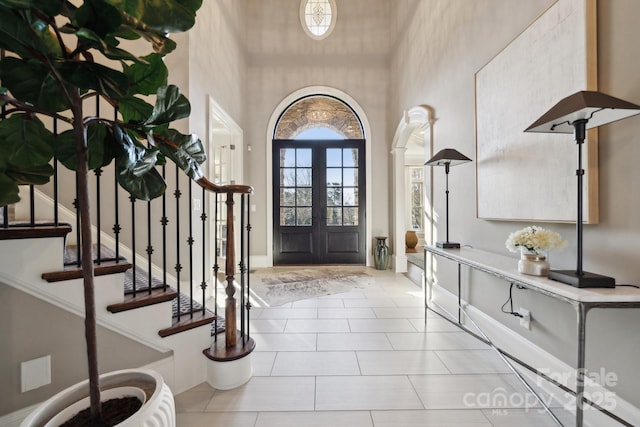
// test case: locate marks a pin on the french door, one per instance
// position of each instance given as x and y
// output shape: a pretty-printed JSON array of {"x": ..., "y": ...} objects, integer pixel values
[{"x": 319, "y": 202}]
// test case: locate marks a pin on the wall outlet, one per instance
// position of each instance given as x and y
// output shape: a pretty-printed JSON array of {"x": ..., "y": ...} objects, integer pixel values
[
  {"x": 525, "y": 320},
  {"x": 35, "y": 373}
]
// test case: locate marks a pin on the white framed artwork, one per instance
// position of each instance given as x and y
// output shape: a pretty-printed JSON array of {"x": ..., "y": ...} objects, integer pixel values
[{"x": 526, "y": 176}]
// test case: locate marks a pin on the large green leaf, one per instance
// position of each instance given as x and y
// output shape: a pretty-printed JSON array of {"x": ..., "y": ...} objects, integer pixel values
[
  {"x": 100, "y": 17},
  {"x": 33, "y": 83},
  {"x": 170, "y": 105},
  {"x": 186, "y": 151},
  {"x": 26, "y": 175},
  {"x": 8, "y": 190},
  {"x": 135, "y": 168},
  {"x": 147, "y": 78},
  {"x": 92, "y": 76},
  {"x": 108, "y": 45},
  {"x": 24, "y": 141},
  {"x": 26, "y": 35},
  {"x": 160, "y": 42},
  {"x": 165, "y": 16},
  {"x": 49, "y": 7},
  {"x": 99, "y": 143},
  {"x": 146, "y": 187},
  {"x": 134, "y": 110}
]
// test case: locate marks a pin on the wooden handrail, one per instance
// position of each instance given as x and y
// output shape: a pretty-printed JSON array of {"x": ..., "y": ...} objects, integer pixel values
[{"x": 224, "y": 189}]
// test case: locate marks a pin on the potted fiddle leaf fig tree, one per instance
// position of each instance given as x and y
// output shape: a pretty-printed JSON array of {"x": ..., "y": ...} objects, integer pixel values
[{"x": 57, "y": 55}]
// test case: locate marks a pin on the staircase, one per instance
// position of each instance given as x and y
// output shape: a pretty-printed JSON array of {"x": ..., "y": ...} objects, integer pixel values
[{"x": 163, "y": 295}]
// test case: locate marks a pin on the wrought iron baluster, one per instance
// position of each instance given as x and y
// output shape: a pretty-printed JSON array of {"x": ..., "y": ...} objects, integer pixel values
[
  {"x": 164, "y": 221},
  {"x": 149, "y": 249},
  {"x": 116, "y": 226},
  {"x": 98, "y": 173},
  {"x": 248, "y": 269},
  {"x": 133, "y": 244},
  {"x": 177, "y": 193},
  {"x": 216, "y": 267},
  {"x": 203, "y": 284},
  {"x": 56, "y": 201},
  {"x": 241, "y": 268},
  {"x": 190, "y": 242}
]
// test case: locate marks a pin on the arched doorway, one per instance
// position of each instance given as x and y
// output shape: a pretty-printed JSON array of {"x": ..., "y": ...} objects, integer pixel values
[
  {"x": 318, "y": 183},
  {"x": 412, "y": 145}
]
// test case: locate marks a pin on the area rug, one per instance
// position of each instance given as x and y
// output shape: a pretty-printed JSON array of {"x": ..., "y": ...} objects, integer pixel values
[{"x": 279, "y": 285}]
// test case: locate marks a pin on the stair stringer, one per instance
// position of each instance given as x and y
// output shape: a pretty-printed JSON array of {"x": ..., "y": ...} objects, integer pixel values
[{"x": 21, "y": 266}]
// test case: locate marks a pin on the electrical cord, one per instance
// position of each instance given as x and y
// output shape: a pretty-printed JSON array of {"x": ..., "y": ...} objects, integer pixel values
[
  {"x": 510, "y": 300},
  {"x": 628, "y": 286}
]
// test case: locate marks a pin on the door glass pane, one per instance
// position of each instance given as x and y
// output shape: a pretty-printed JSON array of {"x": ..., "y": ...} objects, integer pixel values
[
  {"x": 287, "y": 197},
  {"x": 350, "y": 216},
  {"x": 350, "y": 177},
  {"x": 350, "y": 157},
  {"x": 334, "y": 157},
  {"x": 303, "y": 176},
  {"x": 350, "y": 196},
  {"x": 287, "y": 177},
  {"x": 287, "y": 157},
  {"x": 287, "y": 216},
  {"x": 334, "y": 177},
  {"x": 303, "y": 157},
  {"x": 303, "y": 216},
  {"x": 303, "y": 197},
  {"x": 334, "y": 196},
  {"x": 334, "y": 216}
]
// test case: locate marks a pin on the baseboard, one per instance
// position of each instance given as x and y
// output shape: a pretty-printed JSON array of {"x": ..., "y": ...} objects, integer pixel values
[
  {"x": 260, "y": 261},
  {"x": 518, "y": 346}
]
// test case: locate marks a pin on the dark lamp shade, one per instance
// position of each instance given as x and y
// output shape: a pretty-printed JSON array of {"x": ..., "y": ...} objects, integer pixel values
[
  {"x": 595, "y": 107},
  {"x": 447, "y": 156}
]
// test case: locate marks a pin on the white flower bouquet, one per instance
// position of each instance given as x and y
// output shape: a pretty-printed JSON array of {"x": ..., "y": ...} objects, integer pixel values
[{"x": 535, "y": 240}]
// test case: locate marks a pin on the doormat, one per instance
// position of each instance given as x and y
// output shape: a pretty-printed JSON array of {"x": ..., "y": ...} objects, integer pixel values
[{"x": 280, "y": 285}]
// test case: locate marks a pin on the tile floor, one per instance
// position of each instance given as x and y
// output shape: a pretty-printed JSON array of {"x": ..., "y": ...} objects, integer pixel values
[{"x": 363, "y": 358}]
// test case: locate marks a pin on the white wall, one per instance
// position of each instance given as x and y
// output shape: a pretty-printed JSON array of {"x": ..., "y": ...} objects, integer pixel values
[{"x": 440, "y": 49}]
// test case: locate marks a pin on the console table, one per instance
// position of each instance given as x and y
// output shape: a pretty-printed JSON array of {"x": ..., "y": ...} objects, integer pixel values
[{"x": 582, "y": 299}]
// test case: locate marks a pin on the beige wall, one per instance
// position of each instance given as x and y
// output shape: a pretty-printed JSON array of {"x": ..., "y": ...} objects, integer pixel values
[
  {"x": 283, "y": 59},
  {"x": 37, "y": 322},
  {"x": 440, "y": 50}
]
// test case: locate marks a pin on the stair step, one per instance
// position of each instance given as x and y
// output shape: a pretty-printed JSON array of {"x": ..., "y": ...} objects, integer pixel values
[
  {"x": 219, "y": 351},
  {"x": 143, "y": 299},
  {"x": 25, "y": 230},
  {"x": 188, "y": 322},
  {"x": 74, "y": 272}
]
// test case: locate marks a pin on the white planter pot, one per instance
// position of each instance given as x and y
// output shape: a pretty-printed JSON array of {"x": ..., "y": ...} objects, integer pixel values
[{"x": 158, "y": 410}]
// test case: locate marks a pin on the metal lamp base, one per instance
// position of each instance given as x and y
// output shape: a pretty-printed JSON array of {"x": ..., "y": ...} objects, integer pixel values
[
  {"x": 584, "y": 280},
  {"x": 448, "y": 245}
]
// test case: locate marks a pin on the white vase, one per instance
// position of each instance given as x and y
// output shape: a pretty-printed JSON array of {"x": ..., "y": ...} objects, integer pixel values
[
  {"x": 533, "y": 264},
  {"x": 158, "y": 409}
]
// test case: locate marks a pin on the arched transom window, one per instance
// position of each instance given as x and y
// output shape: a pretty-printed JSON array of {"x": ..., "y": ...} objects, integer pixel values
[
  {"x": 319, "y": 111},
  {"x": 318, "y": 17}
]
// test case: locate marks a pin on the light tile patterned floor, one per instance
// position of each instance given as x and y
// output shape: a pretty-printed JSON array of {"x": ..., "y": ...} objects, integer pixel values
[{"x": 363, "y": 359}]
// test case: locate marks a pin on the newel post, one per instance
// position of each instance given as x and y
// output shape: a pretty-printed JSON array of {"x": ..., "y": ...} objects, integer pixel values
[{"x": 230, "y": 303}]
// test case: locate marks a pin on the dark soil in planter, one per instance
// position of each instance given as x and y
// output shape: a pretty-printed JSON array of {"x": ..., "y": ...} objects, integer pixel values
[{"x": 114, "y": 411}]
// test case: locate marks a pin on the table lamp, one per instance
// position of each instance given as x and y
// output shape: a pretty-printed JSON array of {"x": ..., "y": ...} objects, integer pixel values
[
  {"x": 575, "y": 114},
  {"x": 447, "y": 158}
]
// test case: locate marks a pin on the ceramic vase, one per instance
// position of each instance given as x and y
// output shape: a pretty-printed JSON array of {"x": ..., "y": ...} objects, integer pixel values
[
  {"x": 411, "y": 240},
  {"x": 533, "y": 264},
  {"x": 381, "y": 254}
]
